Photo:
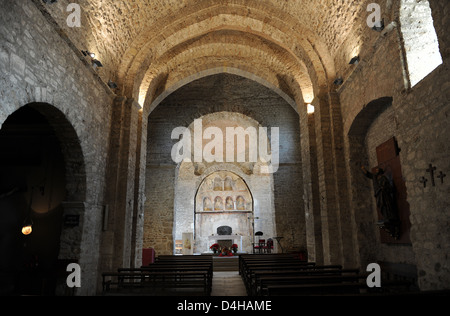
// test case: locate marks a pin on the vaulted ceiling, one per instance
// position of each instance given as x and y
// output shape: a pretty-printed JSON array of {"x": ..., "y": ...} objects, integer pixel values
[{"x": 149, "y": 46}]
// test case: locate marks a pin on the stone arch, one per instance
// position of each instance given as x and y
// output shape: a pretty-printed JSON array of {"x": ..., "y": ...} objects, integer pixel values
[
  {"x": 227, "y": 48},
  {"x": 213, "y": 70},
  {"x": 66, "y": 201},
  {"x": 187, "y": 174},
  {"x": 365, "y": 117},
  {"x": 283, "y": 29},
  {"x": 360, "y": 190}
]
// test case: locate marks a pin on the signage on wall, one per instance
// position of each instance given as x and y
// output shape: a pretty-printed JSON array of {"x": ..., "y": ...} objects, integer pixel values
[{"x": 71, "y": 220}]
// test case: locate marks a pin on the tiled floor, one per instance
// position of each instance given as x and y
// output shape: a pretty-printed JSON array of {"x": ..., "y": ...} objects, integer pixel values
[{"x": 228, "y": 284}]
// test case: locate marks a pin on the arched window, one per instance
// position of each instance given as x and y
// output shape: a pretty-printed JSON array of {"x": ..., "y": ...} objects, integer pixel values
[{"x": 420, "y": 39}]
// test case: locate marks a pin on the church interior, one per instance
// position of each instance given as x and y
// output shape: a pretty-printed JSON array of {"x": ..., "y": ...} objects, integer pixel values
[{"x": 317, "y": 130}]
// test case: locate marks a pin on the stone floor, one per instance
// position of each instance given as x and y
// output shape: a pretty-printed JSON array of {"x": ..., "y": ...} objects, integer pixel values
[{"x": 228, "y": 283}]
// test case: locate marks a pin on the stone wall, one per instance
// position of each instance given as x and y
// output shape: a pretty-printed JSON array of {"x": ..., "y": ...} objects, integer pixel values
[
  {"x": 418, "y": 118},
  {"x": 39, "y": 65}
]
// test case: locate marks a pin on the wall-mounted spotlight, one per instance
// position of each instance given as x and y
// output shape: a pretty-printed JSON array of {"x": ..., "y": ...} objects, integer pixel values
[
  {"x": 112, "y": 85},
  {"x": 355, "y": 60},
  {"x": 338, "y": 81},
  {"x": 87, "y": 53},
  {"x": 311, "y": 109},
  {"x": 379, "y": 26},
  {"x": 96, "y": 64}
]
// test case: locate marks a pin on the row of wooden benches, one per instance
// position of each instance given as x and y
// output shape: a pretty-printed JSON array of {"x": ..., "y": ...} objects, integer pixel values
[
  {"x": 285, "y": 275},
  {"x": 167, "y": 276}
]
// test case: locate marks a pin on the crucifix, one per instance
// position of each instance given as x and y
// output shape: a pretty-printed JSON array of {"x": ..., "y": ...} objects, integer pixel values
[
  {"x": 431, "y": 170},
  {"x": 441, "y": 176},
  {"x": 424, "y": 181}
]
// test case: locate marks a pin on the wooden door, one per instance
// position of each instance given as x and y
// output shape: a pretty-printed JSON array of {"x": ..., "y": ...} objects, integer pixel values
[{"x": 389, "y": 160}]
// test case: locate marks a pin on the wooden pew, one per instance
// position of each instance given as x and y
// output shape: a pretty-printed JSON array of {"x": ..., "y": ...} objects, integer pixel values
[
  {"x": 249, "y": 264},
  {"x": 341, "y": 287},
  {"x": 314, "y": 289},
  {"x": 243, "y": 258},
  {"x": 284, "y": 276},
  {"x": 262, "y": 279},
  {"x": 168, "y": 275},
  {"x": 251, "y": 276},
  {"x": 192, "y": 258},
  {"x": 155, "y": 283}
]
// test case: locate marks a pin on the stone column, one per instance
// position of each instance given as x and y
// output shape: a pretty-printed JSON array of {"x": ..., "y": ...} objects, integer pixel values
[
  {"x": 329, "y": 208},
  {"x": 344, "y": 215},
  {"x": 139, "y": 192},
  {"x": 311, "y": 186},
  {"x": 120, "y": 181}
]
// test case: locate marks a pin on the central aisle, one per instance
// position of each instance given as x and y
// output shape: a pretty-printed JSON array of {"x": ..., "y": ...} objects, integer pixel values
[{"x": 227, "y": 283}]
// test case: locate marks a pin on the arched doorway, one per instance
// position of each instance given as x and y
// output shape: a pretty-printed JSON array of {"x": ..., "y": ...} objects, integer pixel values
[
  {"x": 373, "y": 143},
  {"x": 41, "y": 169}
]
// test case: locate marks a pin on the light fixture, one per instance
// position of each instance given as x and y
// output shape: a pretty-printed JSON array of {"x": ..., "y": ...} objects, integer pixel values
[
  {"x": 354, "y": 60},
  {"x": 112, "y": 84},
  {"x": 27, "y": 227},
  {"x": 87, "y": 53},
  {"x": 379, "y": 26},
  {"x": 96, "y": 64},
  {"x": 311, "y": 109},
  {"x": 338, "y": 81}
]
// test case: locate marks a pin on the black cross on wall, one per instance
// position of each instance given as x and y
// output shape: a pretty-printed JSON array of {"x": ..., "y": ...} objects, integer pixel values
[
  {"x": 441, "y": 176},
  {"x": 424, "y": 181},
  {"x": 431, "y": 170}
]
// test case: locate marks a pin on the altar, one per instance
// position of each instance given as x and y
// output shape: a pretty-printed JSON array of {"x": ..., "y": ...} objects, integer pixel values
[{"x": 236, "y": 239}]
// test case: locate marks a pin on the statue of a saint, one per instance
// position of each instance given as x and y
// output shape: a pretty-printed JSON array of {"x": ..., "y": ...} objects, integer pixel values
[{"x": 384, "y": 195}]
